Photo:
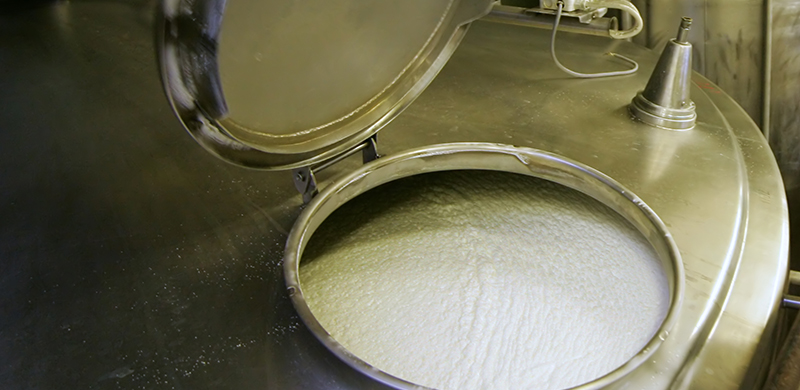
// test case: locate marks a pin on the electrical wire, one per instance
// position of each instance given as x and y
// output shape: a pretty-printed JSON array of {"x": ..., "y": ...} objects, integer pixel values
[{"x": 585, "y": 75}]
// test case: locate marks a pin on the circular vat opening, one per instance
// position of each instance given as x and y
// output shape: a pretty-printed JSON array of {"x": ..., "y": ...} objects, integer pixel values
[{"x": 484, "y": 279}]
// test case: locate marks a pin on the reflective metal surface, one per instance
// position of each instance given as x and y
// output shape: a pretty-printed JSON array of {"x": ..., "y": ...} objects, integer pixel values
[
  {"x": 134, "y": 259},
  {"x": 749, "y": 48},
  {"x": 275, "y": 84}
]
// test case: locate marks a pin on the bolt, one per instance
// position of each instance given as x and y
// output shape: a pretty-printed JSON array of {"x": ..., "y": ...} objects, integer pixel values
[{"x": 683, "y": 31}]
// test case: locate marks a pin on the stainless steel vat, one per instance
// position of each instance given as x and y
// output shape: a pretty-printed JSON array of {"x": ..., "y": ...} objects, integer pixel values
[
  {"x": 134, "y": 259},
  {"x": 495, "y": 157}
]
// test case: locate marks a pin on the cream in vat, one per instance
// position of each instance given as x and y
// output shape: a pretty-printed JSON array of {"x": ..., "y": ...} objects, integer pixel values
[
  {"x": 490, "y": 281},
  {"x": 304, "y": 117}
]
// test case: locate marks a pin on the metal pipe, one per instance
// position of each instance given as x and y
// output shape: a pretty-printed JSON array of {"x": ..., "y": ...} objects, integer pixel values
[
  {"x": 791, "y": 301},
  {"x": 767, "y": 69},
  {"x": 794, "y": 277},
  {"x": 626, "y": 22}
]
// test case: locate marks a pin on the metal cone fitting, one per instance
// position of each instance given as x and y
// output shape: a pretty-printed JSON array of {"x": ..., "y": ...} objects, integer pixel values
[{"x": 665, "y": 101}]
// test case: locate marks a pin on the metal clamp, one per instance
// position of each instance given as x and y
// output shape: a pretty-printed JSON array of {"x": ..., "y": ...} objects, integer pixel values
[
  {"x": 588, "y": 22},
  {"x": 569, "y": 7},
  {"x": 305, "y": 180}
]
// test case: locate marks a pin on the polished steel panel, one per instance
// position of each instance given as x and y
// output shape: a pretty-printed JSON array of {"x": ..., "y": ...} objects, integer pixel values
[
  {"x": 131, "y": 258},
  {"x": 741, "y": 32}
]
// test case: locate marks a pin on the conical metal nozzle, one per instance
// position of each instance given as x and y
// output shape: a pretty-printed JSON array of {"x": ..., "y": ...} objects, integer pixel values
[{"x": 665, "y": 101}]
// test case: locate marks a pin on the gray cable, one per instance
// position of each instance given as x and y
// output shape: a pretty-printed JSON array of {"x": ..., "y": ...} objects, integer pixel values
[{"x": 585, "y": 75}]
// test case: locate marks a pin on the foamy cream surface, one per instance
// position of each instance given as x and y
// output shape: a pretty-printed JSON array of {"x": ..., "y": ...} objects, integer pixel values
[{"x": 484, "y": 280}]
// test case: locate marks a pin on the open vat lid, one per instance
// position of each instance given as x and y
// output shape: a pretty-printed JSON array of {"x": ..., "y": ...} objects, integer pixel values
[{"x": 277, "y": 84}]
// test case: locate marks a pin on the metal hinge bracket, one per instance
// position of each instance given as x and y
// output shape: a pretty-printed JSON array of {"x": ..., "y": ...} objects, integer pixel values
[{"x": 305, "y": 180}]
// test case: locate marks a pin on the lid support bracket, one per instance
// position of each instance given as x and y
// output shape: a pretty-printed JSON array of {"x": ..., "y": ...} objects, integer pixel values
[{"x": 305, "y": 180}]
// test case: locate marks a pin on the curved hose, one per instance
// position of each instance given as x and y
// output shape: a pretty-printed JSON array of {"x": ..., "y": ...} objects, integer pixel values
[
  {"x": 585, "y": 75},
  {"x": 624, "y": 6}
]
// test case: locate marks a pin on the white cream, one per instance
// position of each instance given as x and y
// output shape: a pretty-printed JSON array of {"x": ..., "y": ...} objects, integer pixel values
[{"x": 484, "y": 280}]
